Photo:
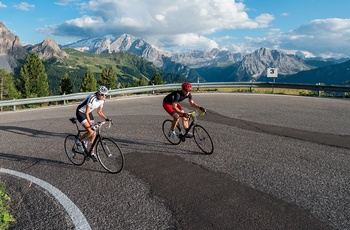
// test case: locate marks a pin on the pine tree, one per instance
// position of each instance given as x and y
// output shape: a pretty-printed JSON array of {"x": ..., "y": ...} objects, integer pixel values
[
  {"x": 108, "y": 78},
  {"x": 33, "y": 79},
  {"x": 66, "y": 86},
  {"x": 89, "y": 83},
  {"x": 156, "y": 79},
  {"x": 136, "y": 82},
  {"x": 8, "y": 89},
  {"x": 143, "y": 81}
]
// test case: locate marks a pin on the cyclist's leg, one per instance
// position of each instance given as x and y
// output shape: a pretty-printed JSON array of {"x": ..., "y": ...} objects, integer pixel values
[
  {"x": 184, "y": 120},
  {"x": 176, "y": 118},
  {"x": 82, "y": 119},
  {"x": 170, "y": 110}
]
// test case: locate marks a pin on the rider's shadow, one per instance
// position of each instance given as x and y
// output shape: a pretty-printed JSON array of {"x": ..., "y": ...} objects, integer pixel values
[
  {"x": 28, "y": 132},
  {"x": 146, "y": 146},
  {"x": 42, "y": 161}
]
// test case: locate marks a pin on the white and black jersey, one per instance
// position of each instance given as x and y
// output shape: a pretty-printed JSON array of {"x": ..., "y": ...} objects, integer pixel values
[{"x": 91, "y": 101}]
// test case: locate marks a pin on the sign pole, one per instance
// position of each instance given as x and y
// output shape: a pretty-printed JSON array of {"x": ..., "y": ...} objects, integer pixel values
[{"x": 272, "y": 72}]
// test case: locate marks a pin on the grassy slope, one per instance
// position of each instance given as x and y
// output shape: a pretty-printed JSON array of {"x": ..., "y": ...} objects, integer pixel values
[{"x": 128, "y": 67}]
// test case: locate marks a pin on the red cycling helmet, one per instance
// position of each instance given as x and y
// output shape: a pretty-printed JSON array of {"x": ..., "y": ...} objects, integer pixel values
[{"x": 186, "y": 86}]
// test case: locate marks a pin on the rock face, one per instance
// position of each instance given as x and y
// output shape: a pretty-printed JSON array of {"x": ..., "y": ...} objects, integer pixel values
[
  {"x": 257, "y": 62},
  {"x": 125, "y": 43},
  {"x": 11, "y": 49},
  {"x": 47, "y": 49},
  {"x": 10, "y": 44}
]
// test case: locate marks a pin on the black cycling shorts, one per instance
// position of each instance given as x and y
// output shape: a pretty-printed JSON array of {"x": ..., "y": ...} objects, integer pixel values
[{"x": 82, "y": 118}]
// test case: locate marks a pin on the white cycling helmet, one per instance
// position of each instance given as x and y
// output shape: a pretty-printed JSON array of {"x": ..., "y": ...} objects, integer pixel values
[{"x": 102, "y": 89}]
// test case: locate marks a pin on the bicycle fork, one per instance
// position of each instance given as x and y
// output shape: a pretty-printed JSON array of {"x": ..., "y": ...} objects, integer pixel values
[{"x": 106, "y": 148}]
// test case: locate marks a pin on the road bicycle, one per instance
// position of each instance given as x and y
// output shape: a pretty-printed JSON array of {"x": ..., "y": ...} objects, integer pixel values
[
  {"x": 200, "y": 135},
  {"x": 107, "y": 151}
]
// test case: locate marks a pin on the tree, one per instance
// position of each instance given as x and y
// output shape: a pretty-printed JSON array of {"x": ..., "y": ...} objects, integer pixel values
[
  {"x": 33, "y": 79},
  {"x": 108, "y": 78},
  {"x": 156, "y": 79},
  {"x": 8, "y": 89},
  {"x": 136, "y": 82},
  {"x": 143, "y": 81},
  {"x": 66, "y": 86},
  {"x": 89, "y": 83}
]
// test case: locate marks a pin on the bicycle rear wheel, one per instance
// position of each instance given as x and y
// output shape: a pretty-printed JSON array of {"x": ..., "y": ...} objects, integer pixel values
[
  {"x": 203, "y": 139},
  {"x": 71, "y": 148},
  {"x": 109, "y": 155}
]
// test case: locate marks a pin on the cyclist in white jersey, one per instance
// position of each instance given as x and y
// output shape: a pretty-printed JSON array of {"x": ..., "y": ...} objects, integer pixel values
[{"x": 84, "y": 113}]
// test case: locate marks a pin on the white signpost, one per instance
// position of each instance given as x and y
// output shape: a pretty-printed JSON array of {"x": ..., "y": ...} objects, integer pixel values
[{"x": 272, "y": 72}]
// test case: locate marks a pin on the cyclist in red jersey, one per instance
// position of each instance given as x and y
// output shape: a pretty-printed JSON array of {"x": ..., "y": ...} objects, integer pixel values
[{"x": 173, "y": 107}]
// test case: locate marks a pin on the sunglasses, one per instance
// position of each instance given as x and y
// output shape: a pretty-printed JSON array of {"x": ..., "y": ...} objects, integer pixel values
[{"x": 104, "y": 95}]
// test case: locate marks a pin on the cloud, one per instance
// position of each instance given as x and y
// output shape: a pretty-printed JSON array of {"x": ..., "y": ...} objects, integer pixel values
[
  {"x": 24, "y": 6},
  {"x": 2, "y": 5},
  {"x": 185, "y": 25},
  {"x": 173, "y": 22},
  {"x": 322, "y": 37},
  {"x": 176, "y": 43},
  {"x": 65, "y": 2}
]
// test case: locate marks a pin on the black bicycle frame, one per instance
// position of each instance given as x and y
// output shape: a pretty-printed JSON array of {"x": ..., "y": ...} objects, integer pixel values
[
  {"x": 186, "y": 130},
  {"x": 98, "y": 137}
]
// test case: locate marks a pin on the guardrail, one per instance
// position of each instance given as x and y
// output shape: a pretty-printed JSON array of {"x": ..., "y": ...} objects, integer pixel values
[{"x": 153, "y": 88}]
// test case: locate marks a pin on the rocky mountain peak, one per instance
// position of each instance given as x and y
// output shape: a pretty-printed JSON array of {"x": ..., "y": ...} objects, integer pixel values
[
  {"x": 10, "y": 44},
  {"x": 47, "y": 49},
  {"x": 257, "y": 62},
  {"x": 11, "y": 49}
]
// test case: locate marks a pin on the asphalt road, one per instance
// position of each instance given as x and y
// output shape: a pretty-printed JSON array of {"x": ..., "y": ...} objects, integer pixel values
[{"x": 280, "y": 162}]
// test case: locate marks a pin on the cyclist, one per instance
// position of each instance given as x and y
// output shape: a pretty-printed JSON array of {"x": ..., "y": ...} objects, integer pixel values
[
  {"x": 85, "y": 117},
  {"x": 173, "y": 107}
]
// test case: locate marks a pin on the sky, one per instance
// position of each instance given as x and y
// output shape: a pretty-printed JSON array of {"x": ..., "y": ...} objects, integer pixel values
[{"x": 313, "y": 27}]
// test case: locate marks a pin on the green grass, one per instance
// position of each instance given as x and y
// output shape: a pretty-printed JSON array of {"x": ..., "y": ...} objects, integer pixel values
[
  {"x": 5, "y": 216},
  {"x": 264, "y": 91}
]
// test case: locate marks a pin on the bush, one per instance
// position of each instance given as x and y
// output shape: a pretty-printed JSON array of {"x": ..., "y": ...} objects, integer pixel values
[{"x": 5, "y": 217}]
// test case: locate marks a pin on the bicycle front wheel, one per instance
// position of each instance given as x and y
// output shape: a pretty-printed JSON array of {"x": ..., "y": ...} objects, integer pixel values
[
  {"x": 203, "y": 139},
  {"x": 71, "y": 148},
  {"x": 109, "y": 155},
  {"x": 166, "y": 127}
]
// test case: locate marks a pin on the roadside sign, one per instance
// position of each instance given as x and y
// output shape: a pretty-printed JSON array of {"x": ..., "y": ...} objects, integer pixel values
[{"x": 272, "y": 72}]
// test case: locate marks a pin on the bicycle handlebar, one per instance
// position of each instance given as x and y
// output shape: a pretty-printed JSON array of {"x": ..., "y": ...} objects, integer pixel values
[
  {"x": 195, "y": 113},
  {"x": 99, "y": 124}
]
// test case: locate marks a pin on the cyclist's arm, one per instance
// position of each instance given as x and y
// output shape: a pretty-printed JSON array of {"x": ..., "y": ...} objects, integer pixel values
[
  {"x": 87, "y": 115},
  {"x": 193, "y": 104},
  {"x": 100, "y": 113}
]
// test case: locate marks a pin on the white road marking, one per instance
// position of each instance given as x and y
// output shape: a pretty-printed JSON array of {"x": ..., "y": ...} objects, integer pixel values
[{"x": 73, "y": 211}]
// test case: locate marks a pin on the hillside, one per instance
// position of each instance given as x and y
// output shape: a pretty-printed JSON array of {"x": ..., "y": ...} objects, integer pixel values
[
  {"x": 128, "y": 67},
  {"x": 337, "y": 74}
]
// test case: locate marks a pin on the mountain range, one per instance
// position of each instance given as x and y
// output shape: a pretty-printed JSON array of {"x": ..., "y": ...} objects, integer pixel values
[{"x": 215, "y": 65}]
